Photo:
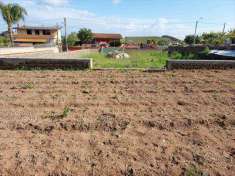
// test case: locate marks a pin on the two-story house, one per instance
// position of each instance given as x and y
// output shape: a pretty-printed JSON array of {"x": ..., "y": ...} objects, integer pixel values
[{"x": 31, "y": 35}]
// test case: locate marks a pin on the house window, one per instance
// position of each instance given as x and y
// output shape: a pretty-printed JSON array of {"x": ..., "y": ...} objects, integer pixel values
[
  {"x": 37, "y": 32},
  {"x": 46, "y": 32},
  {"x": 29, "y": 32}
]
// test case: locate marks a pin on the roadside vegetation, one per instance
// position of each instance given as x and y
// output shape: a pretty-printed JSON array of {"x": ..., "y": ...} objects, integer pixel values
[
  {"x": 144, "y": 39},
  {"x": 138, "y": 59},
  {"x": 190, "y": 55},
  {"x": 211, "y": 38},
  {"x": 161, "y": 41},
  {"x": 84, "y": 35},
  {"x": 72, "y": 39}
]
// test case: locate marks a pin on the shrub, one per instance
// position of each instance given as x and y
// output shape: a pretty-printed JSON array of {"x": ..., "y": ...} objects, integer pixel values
[
  {"x": 231, "y": 36},
  {"x": 176, "y": 55},
  {"x": 4, "y": 41},
  {"x": 213, "y": 38},
  {"x": 163, "y": 42},
  {"x": 72, "y": 39},
  {"x": 206, "y": 51},
  {"x": 189, "y": 39},
  {"x": 190, "y": 56}
]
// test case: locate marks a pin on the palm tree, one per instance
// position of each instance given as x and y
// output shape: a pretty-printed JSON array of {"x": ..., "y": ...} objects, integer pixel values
[{"x": 12, "y": 13}]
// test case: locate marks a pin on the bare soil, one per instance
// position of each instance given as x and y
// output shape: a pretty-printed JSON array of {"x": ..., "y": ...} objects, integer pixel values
[{"x": 58, "y": 123}]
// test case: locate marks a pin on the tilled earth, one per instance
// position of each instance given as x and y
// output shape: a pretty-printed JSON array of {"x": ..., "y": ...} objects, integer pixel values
[{"x": 58, "y": 123}]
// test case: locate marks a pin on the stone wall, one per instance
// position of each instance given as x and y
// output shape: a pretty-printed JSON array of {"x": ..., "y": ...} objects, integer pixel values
[
  {"x": 16, "y": 63},
  {"x": 200, "y": 64},
  {"x": 197, "y": 48}
]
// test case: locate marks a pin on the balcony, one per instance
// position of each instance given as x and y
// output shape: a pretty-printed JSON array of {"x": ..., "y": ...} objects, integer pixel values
[{"x": 33, "y": 38}]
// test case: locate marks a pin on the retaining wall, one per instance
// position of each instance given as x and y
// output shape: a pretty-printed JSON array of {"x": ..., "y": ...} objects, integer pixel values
[
  {"x": 15, "y": 63},
  {"x": 200, "y": 64}
]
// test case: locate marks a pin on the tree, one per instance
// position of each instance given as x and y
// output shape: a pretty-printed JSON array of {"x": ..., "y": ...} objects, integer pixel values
[
  {"x": 231, "y": 36},
  {"x": 12, "y": 13},
  {"x": 85, "y": 35},
  {"x": 72, "y": 39},
  {"x": 213, "y": 38},
  {"x": 189, "y": 39}
]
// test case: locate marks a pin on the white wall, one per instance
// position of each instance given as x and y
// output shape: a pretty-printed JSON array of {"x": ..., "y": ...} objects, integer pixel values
[{"x": 22, "y": 50}]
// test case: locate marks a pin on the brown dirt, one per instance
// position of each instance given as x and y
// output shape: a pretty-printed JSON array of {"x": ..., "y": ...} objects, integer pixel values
[{"x": 59, "y": 123}]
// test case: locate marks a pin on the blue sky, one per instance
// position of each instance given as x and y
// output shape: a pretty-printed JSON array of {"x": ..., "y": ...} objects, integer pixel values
[{"x": 132, "y": 17}]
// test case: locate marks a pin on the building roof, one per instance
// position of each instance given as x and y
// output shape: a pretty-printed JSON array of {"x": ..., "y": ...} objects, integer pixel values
[
  {"x": 39, "y": 27},
  {"x": 107, "y": 36},
  {"x": 5, "y": 33}
]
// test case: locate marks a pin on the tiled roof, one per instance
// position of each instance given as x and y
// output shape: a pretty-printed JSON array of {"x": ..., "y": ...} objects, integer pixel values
[{"x": 107, "y": 36}]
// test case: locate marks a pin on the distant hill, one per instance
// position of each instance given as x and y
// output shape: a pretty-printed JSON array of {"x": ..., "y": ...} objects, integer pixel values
[
  {"x": 171, "y": 38},
  {"x": 143, "y": 39}
]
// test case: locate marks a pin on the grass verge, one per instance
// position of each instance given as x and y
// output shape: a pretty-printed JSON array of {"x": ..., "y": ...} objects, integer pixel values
[{"x": 138, "y": 59}]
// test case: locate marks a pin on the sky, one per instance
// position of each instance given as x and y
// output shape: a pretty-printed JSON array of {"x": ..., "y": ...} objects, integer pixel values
[{"x": 131, "y": 17}]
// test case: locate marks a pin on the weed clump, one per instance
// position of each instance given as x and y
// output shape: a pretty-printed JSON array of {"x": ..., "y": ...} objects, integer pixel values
[
  {"x": 66, "y": 112},
  {"x": 28, "y": 85},
  {"x": 194, "y": 171},
  {"x": 55, "y": 116}
]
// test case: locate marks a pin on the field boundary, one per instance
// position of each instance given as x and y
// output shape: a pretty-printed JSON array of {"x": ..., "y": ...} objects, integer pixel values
[
  {"x": 200, "y": 64},
  {"x": 31, "y": 63},
  {"x": 132, "y": 69},
  {"x": 87, "y": 63}
]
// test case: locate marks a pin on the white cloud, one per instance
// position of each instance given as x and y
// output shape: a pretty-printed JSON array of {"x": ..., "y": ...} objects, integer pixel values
[
  {"x": 51, "y": 12},
  {"x": 48, "y": 14},
  {"x": 54, "y": 2},
  {"x": 116, "y": 1}
]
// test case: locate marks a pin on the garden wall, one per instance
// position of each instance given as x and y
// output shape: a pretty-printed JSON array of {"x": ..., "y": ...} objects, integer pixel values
[
  {"x": 16, "y": 63},
  {"x": 200, "y": 64},
  {"x": 197, "y": 48},
  {"x": 23, "y": 50}
]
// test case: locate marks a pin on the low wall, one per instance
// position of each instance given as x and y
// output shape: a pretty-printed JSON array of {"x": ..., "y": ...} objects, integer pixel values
[
  {"x": 23, "y": 50},
  {"x": 197, "y": 48},
  {"x": 15, "y": 63},
  {"x": 200, "y": 64},
  {"x": 186, "y": 49}
]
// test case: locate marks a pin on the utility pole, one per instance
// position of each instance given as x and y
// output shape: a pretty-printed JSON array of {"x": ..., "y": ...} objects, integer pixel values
[
  {"x": 65, "y": 33},
  {"x": 195, "y": 33},
  {"x": 224, "y": 28}
]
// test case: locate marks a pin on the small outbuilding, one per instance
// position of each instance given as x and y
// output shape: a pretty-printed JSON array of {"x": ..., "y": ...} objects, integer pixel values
[{"x": 107, "y": 38}]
